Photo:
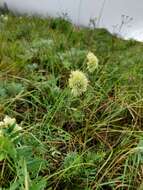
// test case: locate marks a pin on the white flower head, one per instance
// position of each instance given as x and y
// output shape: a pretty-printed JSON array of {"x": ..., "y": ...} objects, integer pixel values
[
  {"x": 78, "y": 82},
  {"x": 9, "y": 121},
  {"x": 5, "y": 18},
  {"x": 92, "y": 62}
]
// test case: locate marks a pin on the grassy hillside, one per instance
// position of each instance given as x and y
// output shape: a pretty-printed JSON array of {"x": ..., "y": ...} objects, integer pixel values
[{"x": 61, "y": 141}]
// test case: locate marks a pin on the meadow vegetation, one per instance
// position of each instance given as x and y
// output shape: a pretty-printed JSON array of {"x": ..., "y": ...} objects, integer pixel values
[{"x": 53, "y": 139}]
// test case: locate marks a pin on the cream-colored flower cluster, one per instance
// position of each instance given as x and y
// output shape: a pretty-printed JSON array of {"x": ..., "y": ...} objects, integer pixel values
[
  {"x": 92, "y": 62},
  {"x": 78, "y": 82},
  {"x": 5, "y": 18},
  {"x": 8, "y": 122}
]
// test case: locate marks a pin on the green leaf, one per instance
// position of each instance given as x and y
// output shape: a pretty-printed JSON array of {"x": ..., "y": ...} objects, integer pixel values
[
  {"x": 7, "y": 148},
  {"x": 38, "y": 185}
]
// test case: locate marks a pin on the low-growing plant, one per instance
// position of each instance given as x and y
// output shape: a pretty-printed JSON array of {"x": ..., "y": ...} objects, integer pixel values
[{"x": 75, "y": 99}]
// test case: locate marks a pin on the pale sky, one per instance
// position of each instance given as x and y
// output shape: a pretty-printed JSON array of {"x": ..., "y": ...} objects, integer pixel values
[{"x": 80, "y": 12}]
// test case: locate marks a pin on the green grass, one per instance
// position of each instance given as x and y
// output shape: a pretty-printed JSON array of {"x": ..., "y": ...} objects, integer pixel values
[{"x": 94, "y": 141}]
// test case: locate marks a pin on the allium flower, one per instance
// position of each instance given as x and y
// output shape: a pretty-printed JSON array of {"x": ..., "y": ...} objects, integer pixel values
[
  {"x": 5, "y": 18},
  {"x": 2, "y": 15},
  {"x": 9, "y": 121},
  {"x": 92, "y": 63},
  {"x": 78, "y": 82}
]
